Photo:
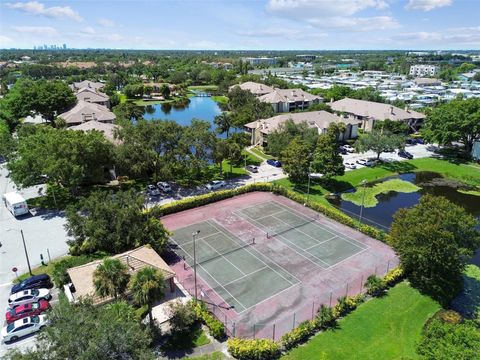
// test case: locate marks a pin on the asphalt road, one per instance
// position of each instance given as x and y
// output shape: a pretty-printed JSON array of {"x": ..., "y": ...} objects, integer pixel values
[{"x": 41, "y": 232}]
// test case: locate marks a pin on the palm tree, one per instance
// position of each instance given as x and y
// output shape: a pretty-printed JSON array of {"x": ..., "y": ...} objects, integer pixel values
[
  {"x": 146, "y": 286},
  {"x": 111, "y": 278},
  {"x": 223, "y": 123}
]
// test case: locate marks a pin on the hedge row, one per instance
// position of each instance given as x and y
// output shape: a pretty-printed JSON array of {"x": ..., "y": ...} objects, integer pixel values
[
  {"x": 255, "y": 349},
  {"x": 331, "y": 212},
  {"x": 326, "y": 317},
  {"x": 215, "y": 327}
]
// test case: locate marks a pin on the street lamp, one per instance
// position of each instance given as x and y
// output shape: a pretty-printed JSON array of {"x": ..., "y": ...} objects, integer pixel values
[
  {"x": 24, "y": 247},
  {"x": 364, "y": 183},
  {"x": 309, "y": 177},
  {"x": 194, "y": 235}
]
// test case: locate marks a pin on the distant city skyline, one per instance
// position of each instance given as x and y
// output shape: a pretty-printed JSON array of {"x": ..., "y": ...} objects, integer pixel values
[{"x": 242, "y": 25}]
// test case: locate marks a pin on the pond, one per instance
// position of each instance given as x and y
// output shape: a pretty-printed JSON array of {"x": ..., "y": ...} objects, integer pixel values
[
  {"x": 381, "y": 215},
  {"x": 197, "y": 107}
]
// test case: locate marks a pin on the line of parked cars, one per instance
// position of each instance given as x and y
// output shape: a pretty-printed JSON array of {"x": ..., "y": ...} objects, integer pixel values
[
  {"x": 156, "y": 190},
  {"x": 27, "y": 303}
]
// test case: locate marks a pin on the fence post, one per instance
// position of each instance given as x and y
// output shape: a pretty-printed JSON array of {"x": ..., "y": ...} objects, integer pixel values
[
  {"x": 254, "y": 331},
  {"x": 346, "y": 292},
  {"x": 293, "y": 327},
  {"x": 313, "y": 308},
  {"x": 330, "y": 299},
  {"x": 361, "y": 284},
  {"x": 273, "y": 335},
  {"x": 375, "y": 271},
  {"x": 388, "y": 265},
  {"x": 225, "y": 319},
  {"x": 233, "y": 329}
]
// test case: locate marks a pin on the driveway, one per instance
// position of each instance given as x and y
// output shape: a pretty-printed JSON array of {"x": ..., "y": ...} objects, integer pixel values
[{"x": 43, "y": 234}]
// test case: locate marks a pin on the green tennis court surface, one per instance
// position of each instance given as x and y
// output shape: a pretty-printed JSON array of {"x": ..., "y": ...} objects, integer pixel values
[
  {"x": 312, "y": 240},
  {"x": 231, "y": 266}
]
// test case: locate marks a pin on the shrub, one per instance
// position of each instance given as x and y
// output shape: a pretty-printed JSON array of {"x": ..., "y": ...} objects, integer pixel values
[
  {"x": 215, "y": 327},
  {"x": 324, "y": 317},
  {"x": 256, "y": 349},
  {"x": 182, "y": 317},
  {"x": 393, "y": 277},
  {"x": 375, "y": 285},
  {"x": 346, "y": 304},
  {"x": 59, "y": 272},
  {"x": 141, "y": 312},
  {"x": 299, "y": 334}
]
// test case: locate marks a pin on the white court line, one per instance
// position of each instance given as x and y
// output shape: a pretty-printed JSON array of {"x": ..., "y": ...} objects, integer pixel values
[
  {"x": 233, "y": 297},
  {"x": 313, "y": 262},
  {"x": 320, "y": 243},
  {"x": 275, "y": 213},
  {"x": 241, "y": 277},
  {"x": 358, "y": 253},
  {"x": 221, "y": 255},
  {"x": 260, "y": 259}
]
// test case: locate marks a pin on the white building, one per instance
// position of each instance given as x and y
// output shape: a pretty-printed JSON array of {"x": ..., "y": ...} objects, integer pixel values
[
  {"x": 423, "y": 70},
  {"x": 260, "y": 60}
]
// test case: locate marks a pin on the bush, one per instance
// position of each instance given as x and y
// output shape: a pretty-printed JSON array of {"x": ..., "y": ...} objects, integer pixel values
[
  {"x": 346, "y": 304},
  {"x": 299, "y": 335},
  {"x": 59, "y": 272},
  {"x": 182, "y": 317},
  {"x": 141, "y": 312},
  {"x": 375, "y": 285},
  {"x": 215, "y": 327},
  {"x": 393, "y": 277},
  {"x": 257, "y": 349},
  {"x": 324, "y": 318}
]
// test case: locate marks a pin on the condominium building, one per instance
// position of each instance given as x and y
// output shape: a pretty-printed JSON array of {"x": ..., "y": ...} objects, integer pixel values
[{"x": 423, "y": 70}]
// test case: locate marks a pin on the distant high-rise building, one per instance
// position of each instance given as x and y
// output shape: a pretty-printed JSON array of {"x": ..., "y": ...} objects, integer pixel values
[{"x": 64, "y": 46}]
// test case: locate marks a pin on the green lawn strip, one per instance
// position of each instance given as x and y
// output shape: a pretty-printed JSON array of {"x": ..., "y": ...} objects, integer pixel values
[
  {"x": 221, "y": 99},
  {"x": 260, "y": 153},
  {"x": 469, "y": 192},
  {"x": 203, "y": 87},
  {"x": 141, "y": 102},
  {"x": 382, "y": 328},
  {"x": 369, "y": 195},
  {"x": 464, "y": 172},
  {"x": 468, "y": 302},
  {"x": 194, "y": 338},
  {"x": 217, "y": 355}
]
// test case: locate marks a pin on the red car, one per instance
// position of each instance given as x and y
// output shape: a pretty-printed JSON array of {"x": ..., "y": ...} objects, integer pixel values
[{"x": 25, "y": 310}]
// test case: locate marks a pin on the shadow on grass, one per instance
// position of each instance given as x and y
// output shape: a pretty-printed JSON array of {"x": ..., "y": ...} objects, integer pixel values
[
  {"x": 336, "y": 186},
  {"x": 398, "y": 166},
  {"x": 468, "y": 302},
  {"x": 454, "y": 155},
  {"x": 185, "y": 342}
]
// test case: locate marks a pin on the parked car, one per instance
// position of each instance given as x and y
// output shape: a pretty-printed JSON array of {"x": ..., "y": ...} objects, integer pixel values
[
  {"x": 405, "y": 154},
  {"x": 350, "y": 165},
  {"x": 24, "y": 310},
  {"x": 274, "y": 162},
  {"x": 349, "y": 148},
  {"x": 164, "y": 186},
  {"x": 367, "y": 162},
  {"x": 342, "y": 150},
  {"x": 216, "y": 184},
  {"x": 28, "y": 296},
  {"x": 152, "y": 190},
  {"x": 252, "y": 168},
  {"x": 34, "y": 282},
  {"x": 23, "y": 327}
]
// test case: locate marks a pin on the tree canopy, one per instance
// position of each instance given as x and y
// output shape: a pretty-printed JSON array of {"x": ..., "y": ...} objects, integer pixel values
[
  {"x": 279, "y": 139},
  {"x": 457, "y": 120},
  {"x": 326, "y": 158},
  {"x": 434, "y": 240},
  {"x": 110, "y": 278},
  {"x": 379, "y": 141},
  {"x": 296, "y": 160},
  {"x": 113, "y": 223}
]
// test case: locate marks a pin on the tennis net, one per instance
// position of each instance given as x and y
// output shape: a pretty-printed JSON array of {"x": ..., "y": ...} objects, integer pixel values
[{"x": 284, "y": 226}]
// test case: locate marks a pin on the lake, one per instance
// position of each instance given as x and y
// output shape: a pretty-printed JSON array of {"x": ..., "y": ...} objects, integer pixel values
[
  {"x": 203, "y": 108},
  {"x": 381, "y": 215}
]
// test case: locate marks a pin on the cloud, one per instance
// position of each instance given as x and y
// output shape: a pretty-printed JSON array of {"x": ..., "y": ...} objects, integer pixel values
[
  {"x": 106, "y": 22},
  {"x": 88, "y": 30},
  {"x": 37, "y": 8},
  {"x": 427, "y": 5},
  {"x": 36, "y": 30},
  {"x": 339, "y": 14},
  {"x": 5, "y": 40},
  {"x": 454, "y": 36},
  {"x": 291, "y": 34}
]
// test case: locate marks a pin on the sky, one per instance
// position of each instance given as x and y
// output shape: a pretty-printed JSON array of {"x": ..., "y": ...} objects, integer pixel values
[{"x": 242, "y": 25}]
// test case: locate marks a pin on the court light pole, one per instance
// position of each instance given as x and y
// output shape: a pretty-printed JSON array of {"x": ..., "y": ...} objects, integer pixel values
[
  {"x": 194, "y": 235},
  {"x": 24, "y": 248},
  {"x": 364, "y": 183},
  {"x": 309, "y": 177}
]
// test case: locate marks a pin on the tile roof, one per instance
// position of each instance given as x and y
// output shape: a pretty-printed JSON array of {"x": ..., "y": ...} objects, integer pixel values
[
  {"x": 88, "y": 84},
  {"x": 85, "y": 111},
  {"x": 82, "y": 276},
  {"x": 106, "y": 128},
  {"x": 254, "y": 88},
  {"x": 91, "y": 95},
  {"x": 287, "y": 96}
]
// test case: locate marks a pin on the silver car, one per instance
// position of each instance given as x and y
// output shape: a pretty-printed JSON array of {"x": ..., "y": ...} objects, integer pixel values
[
  {"x": 23, "y": 327},
  {"x": 28, "y": 296},
  {"x": 216, "y": 184}
]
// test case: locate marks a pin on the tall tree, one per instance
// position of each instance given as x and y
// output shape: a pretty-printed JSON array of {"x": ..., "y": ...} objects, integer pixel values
[
  {"x": 279, "y": 139},
  {"x": 379, "y": 142},
  {"x": 326, "y": 158},
  {"x": 434, "y": 240},
  {"x": 147, "y": 285},
  {"x": 128, "y": 111},
  {"x": 83, "y": 331},
  {"x": 113, "y": 223},
  {"x": 111, "y": 278},
  {"x": 457, "y": 120},
  {"x": 296, "y": 160},
  {"x": 223, "y": 122},
  {"x": 165, "y": 91}
]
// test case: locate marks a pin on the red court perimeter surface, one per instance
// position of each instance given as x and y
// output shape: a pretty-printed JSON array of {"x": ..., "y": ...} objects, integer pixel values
[{"x": 277, "y": 315}]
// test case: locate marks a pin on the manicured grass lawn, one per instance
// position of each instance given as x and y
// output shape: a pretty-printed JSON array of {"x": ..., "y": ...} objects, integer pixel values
[
  {"x": 141, "y": 102},
  {"x": 239, "y": 170},
  {"x": 368, "y": 195},
  {"x": 382, "y": 328},
  {"x": 196, "y": 337},
  {"x": 220, "y": 99},
  {"x": 260, "y": 153},
  {"x": 217, "y": 355},
  {"x": 470, "y": 192},
  {"x": 203, "y": 87}
]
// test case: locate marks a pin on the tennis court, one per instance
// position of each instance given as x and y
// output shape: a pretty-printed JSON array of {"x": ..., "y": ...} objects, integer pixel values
[
  {"x": 310, "y": 239},
  {"x": 231, "y": 265}
]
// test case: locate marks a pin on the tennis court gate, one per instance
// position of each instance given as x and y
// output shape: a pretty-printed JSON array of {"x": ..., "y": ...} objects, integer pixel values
[{"x": 275, "y": 331}]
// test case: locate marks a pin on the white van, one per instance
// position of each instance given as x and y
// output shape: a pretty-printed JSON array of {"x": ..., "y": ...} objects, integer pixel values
[{"x": 15, "y": 203}]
